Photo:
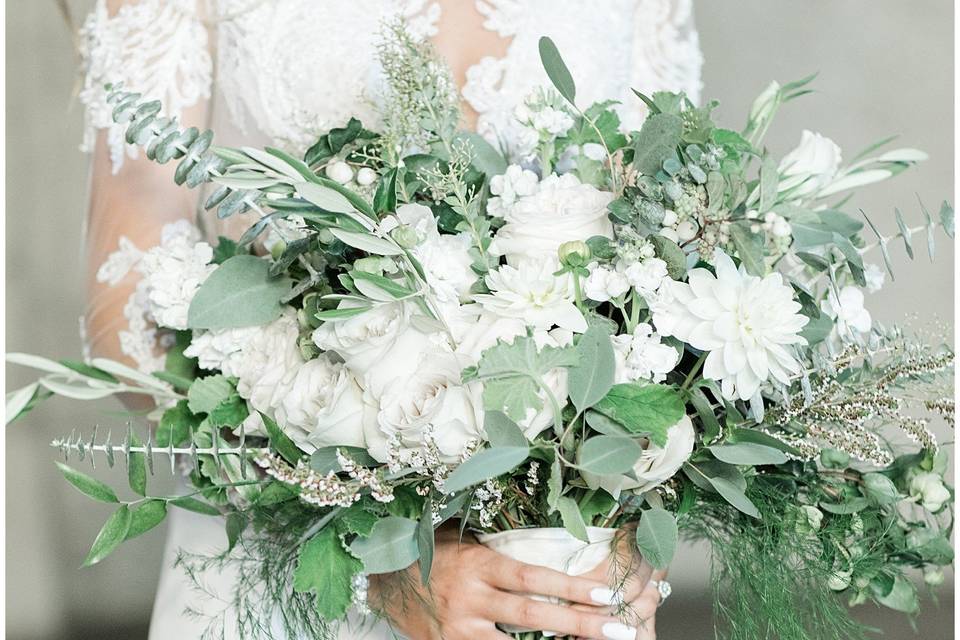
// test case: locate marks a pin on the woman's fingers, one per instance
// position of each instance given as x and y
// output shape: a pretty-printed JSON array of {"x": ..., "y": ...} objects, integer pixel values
[
  {"x": 534, "y": 614},
  {"x": 510, "y": 575}
]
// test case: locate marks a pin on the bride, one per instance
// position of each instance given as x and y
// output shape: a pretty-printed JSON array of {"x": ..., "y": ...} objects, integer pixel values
[{"x": 281, "y": 72}]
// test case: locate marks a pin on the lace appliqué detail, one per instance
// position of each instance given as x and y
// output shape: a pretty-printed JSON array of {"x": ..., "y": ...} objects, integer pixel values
[
  {"x": 155, "y": 47},
  {"x": 666, "y": 48}
]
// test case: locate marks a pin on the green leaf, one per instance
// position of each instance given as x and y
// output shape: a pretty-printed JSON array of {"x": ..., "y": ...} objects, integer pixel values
[
  {"x": 657, "y": 537},
  {"x": 385, "y": 198},
  {"x": 671, "y": 253},
  {"x": 175, "y": 425},
  {"x": 747, "y": 453},
  {"x": 554, "y": 485},
  {"x": 643, "y": 409},
  {"x": 904, "y": 232},
  {"x": 483, "y": 465},
  {"x": 207, "y": 393},
  {"x": 324, "y": 460},
  {"x": 750, "y": 247},
  {"x": 114, "y": 532},
  {"x": 425, "y": 541},
  {"x": 739, "y": 434},
  {"x": 366, "y": 242},
  {"x": 853, "y": 505},
  {"x": 145, "y": 517},
  {"x": 502, "y": 431},
  {"x": 88, "y": 486},
  {"x": 708, "y": 419},
  {"x": 391, "y": 287},
  {"x": 325, "y": 568},
  {"x": 178, "y": 364},
  {"x": 484, "y": 157},
  {"x": 769, "y": 179},
  {"x": 557, "y": 70},
  {"x": 91, "y": 372},
  {"x": 735, "y": 496},
  {"x": 21, "y": 401},
  {"x": 280, "y": 442},
  {"x": 512, "y": 373},
  {"x": 902, "y": 596},
  {"x": 658, "y": 139},
  {"x": 235, "y": 524},
  {"x": 240, "y": 293},
  {"x": 137, "y": 468},
  {"x": 592, "y": 377},
  {"x": 229, "y": 413},
  {"x": 356, "y": 519},
  {"x": 602, "y": 424},
  {"x": 608, "y": 455},
  {"x": 325, "y": 197},
  {"x": 881, "y": 488},
  {"x": 947, "y": 219},
  {"x": 197, "y": 506},
  {"x": 391, "y": 546},
  {"x": 572, "y": 518},
  {"x": 225, "y": 249}
]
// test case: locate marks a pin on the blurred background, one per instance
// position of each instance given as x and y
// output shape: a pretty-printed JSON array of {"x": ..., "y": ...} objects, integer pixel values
[{"x": 886, "y": 67}]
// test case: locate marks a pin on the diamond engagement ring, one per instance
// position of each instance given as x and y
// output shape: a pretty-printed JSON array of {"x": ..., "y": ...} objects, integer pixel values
[{"x": 663, "y": 588}]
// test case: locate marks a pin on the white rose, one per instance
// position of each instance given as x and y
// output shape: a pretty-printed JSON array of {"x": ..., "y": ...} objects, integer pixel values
[
  {"x": 269, "y": 362},
  {"x": 641, "y": 356},
  {"x": 811, "y": 165},
  {"x": 928, "y": 489},
  {"x": 562, "y": 209},
  {"x": 430, "y": 403},
  {"x": 604, "y": 284},
  {"x": 375, "y": 345},
  {"x": 323, "y": 406},
  {"x": 655, "y": 465}
]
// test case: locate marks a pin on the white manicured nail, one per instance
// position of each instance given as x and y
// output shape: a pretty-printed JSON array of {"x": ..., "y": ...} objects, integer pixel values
[
  {"x": 617, "y": 631},
  {"x": 603, "y": 595}
]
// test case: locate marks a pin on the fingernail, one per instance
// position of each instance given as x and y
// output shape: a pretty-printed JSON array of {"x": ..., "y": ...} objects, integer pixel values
[
  {"x": 603, "y": 595},
  {"x": 617, "y": 631}
]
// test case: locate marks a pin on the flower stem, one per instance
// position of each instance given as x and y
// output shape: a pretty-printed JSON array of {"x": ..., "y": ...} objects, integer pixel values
[{"x": 693, "y": 372}]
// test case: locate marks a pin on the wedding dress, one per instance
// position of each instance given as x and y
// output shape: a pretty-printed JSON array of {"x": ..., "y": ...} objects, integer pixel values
[{"x": 280, "y": 72}]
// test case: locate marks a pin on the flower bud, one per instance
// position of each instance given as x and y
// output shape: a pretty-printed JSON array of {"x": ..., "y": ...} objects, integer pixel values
[
  {"x": 406, "y": 236},
  {"x": 686, "y": 231},
  {"x": 325, "y": 236},
  {"x": 366, "y": 176},
  {"x": 669, "y": 218},
  {"x": 574, "y": 253},
  {"x": 765, "y": 104},
  {"x": 370, "y": 264},
  {"x": 340, "y": 172},
  {"x": 933, "y": 576}
]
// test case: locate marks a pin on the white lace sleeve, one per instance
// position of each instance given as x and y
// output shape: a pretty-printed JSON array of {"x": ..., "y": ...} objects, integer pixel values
[
  {"x": 666, "y": 49},
  {"x": 155, "y": 47}
]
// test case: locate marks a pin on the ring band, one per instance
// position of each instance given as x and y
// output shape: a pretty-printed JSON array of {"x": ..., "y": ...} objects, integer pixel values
[{"x": 663, "y": 589}]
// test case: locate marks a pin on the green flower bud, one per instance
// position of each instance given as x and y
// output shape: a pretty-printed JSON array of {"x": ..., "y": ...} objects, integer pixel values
[
  {"x": 325, "y": 236},
  {"x": 370, "y": 264},
  {"x": 406, "y": 236},
  {"x": 574, "y": 253},
  {"x": 277, "y": 249}
]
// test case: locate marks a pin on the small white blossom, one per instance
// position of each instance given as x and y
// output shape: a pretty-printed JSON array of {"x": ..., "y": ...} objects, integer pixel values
[
  {"x": 646, "y": 277},
  {"x": 850, "y": 317},
  {"x": 641, "y": 356},
  {"x": 928, "y": 489},
  {"x": 812, "y": 165},
  {"x": 875, "y": 277},
  {"x": 604, "y": 284},
  {"x": 509, "y": 187}
]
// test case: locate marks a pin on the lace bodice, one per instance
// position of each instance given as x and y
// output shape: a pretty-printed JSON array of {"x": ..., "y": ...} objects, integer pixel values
[{"x": 282, "y": 71}]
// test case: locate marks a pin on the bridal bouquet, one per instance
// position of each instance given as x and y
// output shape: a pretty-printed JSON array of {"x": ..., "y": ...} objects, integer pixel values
[{"x": 657, "y": 333}]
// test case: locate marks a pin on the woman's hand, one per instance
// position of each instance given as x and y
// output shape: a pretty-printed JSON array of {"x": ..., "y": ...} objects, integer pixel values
[{"x": 473, "y": 588}]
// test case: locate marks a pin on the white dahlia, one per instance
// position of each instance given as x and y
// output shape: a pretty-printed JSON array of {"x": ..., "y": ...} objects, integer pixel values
[
  {"x": 746, "y": 323},
  {"x": 531, "y": 292}
]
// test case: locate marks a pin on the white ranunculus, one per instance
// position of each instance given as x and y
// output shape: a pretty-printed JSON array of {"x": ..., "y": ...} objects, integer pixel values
[
  {"x": 323, "y": 406},
  {"x": 515, "y": 183},
  {"x": 746, "y": 323},
  {"x": 646, "y": 276},
  {"x": 173, "y": 272},
  {"x": 928, "y": 489},
  {"x": 850, "y": 317},
  {"x": 811, "y": 165},
  {"x": 375, "y": 345},
  {"x": 875, "y": 277},
  {"x": 269, "y": 363},
  {"x": 433, "y": 403},
  {"x": 641, "y": 356},
  {"x": 655, "y": 465},
  {"x": 531, "y": 292},
  {"x": 604, "y": 284},
  {"x": 561, "y": 210}
]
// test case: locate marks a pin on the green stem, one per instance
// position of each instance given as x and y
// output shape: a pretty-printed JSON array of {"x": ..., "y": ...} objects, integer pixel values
[
  {"x": 693, "y": 372},
  {"x": 634, "y": 312}
]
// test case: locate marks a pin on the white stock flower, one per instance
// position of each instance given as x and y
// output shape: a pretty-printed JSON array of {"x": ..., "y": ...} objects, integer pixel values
[
  {"x": 446, "y": 264},
  {"x": 928, "y": 489},
  {"x": 531, "y": 292},
  {"x": 875, "y": 277},
  {"x": 173, "y": 272},
  {"x": 562, "y": 209},
  {"x": 645, "y": 276},
  {"x": 847, "y": 310},
  {"x": 220, "y": 349},
  {"x": 377, "y": 344},
  {"x": 811, "y": 165},
  {"x": 322, "y": 406},
  {"x": 641, "y": 356},
  {"x": 746, "y": 324},
  {"x": 429, "y": 403},
  {"x": 552, "y": 121},
  {"x": 515, "y": 183},
  {"x": 604, "y": 283},
  {"x": 655, "y": 465}
]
